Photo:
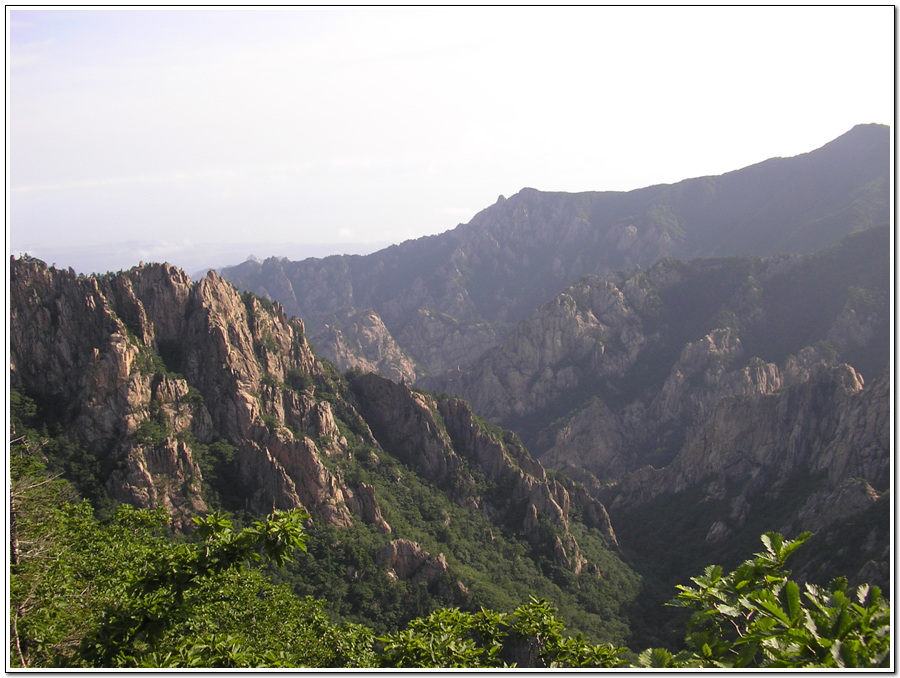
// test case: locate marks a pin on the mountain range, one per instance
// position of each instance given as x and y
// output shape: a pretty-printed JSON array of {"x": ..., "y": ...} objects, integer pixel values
[
  {"x": 608, "y": 329},
  {"x": 586, "y": 396},
  {"x": 431, "y": 304},
  {"x": 153, "y": 390}
]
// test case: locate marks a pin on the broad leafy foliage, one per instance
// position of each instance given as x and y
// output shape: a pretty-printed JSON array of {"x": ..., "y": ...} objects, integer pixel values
[
  {"x": 123, "y": 592},
  {"x": 757, "y": 617},
  {"x": 532, "y": 636},
  {"x": 165, "y": 594}
]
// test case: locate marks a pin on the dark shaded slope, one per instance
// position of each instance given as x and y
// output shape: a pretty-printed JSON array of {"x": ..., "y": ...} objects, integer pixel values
[
  {"x": 840, "y": 294},
  {"x": 797, "y": 204},
  {"x": 621, "y": 337},
  {"x": 520, "y": 252}
]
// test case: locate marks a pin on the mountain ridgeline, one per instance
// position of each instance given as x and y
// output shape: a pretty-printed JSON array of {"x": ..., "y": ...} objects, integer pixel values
[
  {"x": 441, "y": 301},
  {"x": 585, "y": 397}
]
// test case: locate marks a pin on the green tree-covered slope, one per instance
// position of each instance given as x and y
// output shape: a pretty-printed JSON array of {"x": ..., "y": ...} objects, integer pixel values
[{"x": 124, "y": 593}]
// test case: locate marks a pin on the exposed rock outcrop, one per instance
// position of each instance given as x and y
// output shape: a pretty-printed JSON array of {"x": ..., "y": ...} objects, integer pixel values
[
  {"x": 619, "y": 370},
  {"x": 851, "y": 497},
  {"x": 754, "y": 448},
  {"x": 407, "y": 561},
  {"x": 563, "y": 345},
  {"x": 147, "y": 365},
  {"x": 446, "y": 444},
  {"x": 361, "y": 341},
  {"x": 406, "y": 424},
  {"x": 364, "y": 504},
  {"x": 68, "y": 344},
  {"x": 593, "y": 439},
  {"x": 440, "y": 342}
]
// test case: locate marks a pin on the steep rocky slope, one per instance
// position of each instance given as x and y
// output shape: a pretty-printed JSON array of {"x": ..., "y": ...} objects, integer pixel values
[
  {"x": 445, "y": 443},
  {"x": 485, "y": 276},
  {"x": 641, "y": 355},
  {"x": 147, "y": 363},
  {"x": 193, "y": 396},
  {"x": 828, "y": 426},
  {"x": 814, "y": 456},
  {"x": 711, "y": 385},
  {"x": 360, "y": 341}
]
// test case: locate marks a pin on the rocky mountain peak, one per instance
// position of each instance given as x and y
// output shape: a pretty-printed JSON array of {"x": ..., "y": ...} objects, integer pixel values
[{"x": 151, "y": 367}]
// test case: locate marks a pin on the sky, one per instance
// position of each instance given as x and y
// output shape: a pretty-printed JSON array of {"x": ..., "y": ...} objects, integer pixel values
[{"x": 203, "y": 136}]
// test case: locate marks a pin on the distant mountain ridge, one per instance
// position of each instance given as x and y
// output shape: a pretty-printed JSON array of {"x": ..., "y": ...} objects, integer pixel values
[
  {"x": 618, "y": 336},
  {"x": 477, "y": 280}
]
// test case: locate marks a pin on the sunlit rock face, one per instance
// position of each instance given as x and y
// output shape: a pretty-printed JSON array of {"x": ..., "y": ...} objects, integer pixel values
[
  {"x": 148, "y": 364},
  {"x": 445, "y": 443}
]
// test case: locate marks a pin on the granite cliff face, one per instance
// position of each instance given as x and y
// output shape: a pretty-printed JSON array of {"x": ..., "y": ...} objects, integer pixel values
[
  {"x": 812, "y": 456},
  {"x": 627, "y": 363},
  {"x": 68, "y": 344},
  {"x": 724, "y": 379},
  {"x": 360, "y": 341},
  {"x": 408, "y": 562},
  {"x": 147, "y": 364},
  {"x": 560, "y": 346},
  {"x": 827, "y": 426}
]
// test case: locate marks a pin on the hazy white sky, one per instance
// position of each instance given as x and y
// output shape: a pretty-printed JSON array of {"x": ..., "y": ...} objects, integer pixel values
[{"x": 202, "y": 136}]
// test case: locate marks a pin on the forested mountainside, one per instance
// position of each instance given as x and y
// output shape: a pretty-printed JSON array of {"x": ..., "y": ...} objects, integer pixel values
[
  {"x": 434, "y": 303},
  {"x": 157, "y": 391}
]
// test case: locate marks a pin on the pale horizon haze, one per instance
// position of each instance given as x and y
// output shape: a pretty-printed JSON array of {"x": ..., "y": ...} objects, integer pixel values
[{"x": 203, "y": 136}]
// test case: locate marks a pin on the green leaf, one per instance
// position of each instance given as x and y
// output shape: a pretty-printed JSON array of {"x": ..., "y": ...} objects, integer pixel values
[
  {"x": 841, "y": 623},
  {"x": 836, "y": 654},
  {"x": 791, "y": 594},
  {"x": 765, "y": 601},
  {"x": 862, "y": 592},
  {"x": 728, "y": 610},
  {"x": 656, "y": 658}
]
